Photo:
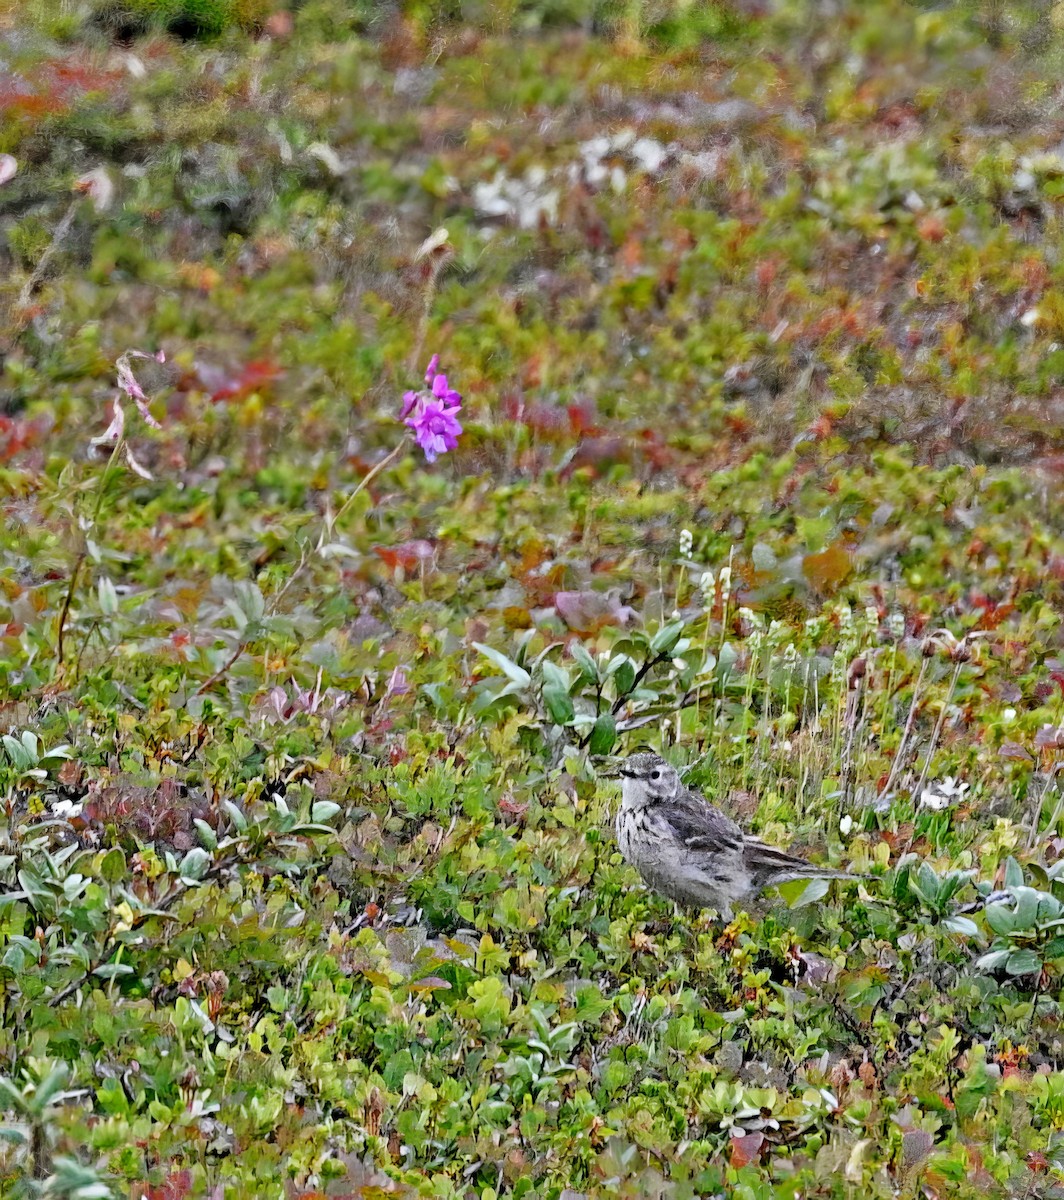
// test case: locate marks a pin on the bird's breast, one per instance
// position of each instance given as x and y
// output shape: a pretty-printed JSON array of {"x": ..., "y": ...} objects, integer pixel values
[{"x": 641, "y": 835}]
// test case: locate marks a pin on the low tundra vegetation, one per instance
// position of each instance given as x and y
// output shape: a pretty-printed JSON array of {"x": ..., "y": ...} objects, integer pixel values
[{"x": 405, "y": 411}]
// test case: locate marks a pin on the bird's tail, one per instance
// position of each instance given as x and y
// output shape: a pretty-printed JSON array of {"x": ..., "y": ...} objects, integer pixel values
[{"x": 769, "y": 866}]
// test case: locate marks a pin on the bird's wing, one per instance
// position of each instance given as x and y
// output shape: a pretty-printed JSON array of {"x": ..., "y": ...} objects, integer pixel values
[
  {"x": 701, "y": 827},
  {"x": 770, "y": 865}
]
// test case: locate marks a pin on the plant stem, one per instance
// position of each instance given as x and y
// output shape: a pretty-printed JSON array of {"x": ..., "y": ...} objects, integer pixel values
[
  {"x": 435, "y": 267},
  {"x": 83, "y": 552},
  {"x": 938, "y": 727},
  {"x": 902, "y": 745},
  {"x": 209, "y": 683},
  {"x": 1036, "y": 812},
  {"x": 329, "y": 523}
]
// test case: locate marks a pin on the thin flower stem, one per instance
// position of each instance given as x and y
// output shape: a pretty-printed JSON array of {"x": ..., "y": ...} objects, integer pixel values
[
  {"x": 329, "y": 523},
  {"x": 1036, "y": 813},
  {"x": 83, "y": 552},
  {"x": 903, "y": 744},
  {"x": 435, "y": 268},
  {"x": 938, "y": 727},
  {"x": 851, "y": 722}
]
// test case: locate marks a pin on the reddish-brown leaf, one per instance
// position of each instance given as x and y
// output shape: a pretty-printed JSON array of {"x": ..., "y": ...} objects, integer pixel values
[
  {"x": 176, "y": 1186},
  {"x": 746, "y": 1148},
  {"x": 406, "y": 556},
  {"x": 829, "y": 569}
]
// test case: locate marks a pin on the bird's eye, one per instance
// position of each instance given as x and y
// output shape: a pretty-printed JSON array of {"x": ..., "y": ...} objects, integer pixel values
[{"x": 655, "y": 774}]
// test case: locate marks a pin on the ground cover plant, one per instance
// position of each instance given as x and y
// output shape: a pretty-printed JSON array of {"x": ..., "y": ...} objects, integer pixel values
[{"x": 404, "y": 411}]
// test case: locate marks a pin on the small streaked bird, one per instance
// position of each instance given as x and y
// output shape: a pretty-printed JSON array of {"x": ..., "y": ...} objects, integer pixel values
[{"x": 690, "y": 851}]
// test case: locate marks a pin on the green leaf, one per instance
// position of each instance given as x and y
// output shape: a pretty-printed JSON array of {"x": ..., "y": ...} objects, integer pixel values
[
  {"x": 950, "y": 884},
  {"x": 589, "y": 671},
  {"x": 554, "y": 677},
  {"x": 559, "y": 704},
  {"x": 925, "y": 883},
  {"x": 1013, "y": 873},
  {"x": 1000, "y": 918},
  {"x": 236, "y": 816},
  {"x": 993, "y": 961},
  {"x": 962, "y": 925},
  {"x": 1027, "y": 900},
  {"x": 624, "y": 675},
  {"x": 207, "y": 835},
  {"x": 16, "y": 752},
  {"x": 323, "y": 810},
  {"x": 108, "y": 597},
  {"x": 1023, "y": 962},
  {"x": 14, "y": 959},
  {"x": 113, "y": 865},
  {"x": 195, "y": 863},
  {"x": 113, "y": 970},
  {"x": 603, "y": 735},
  {"x": 664, "y": 641},
  {"x": 508, "y": 667},
  {"x": 800, "y": 892}
]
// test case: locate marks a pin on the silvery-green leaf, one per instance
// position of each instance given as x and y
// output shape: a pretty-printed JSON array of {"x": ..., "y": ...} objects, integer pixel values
[{"x": 508, "y": 667}]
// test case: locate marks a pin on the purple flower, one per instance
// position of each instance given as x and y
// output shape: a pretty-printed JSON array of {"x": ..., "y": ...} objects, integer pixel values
[
  {"x": 435, "y": 426},
  {"x": 442, "y": 392},
  {"x": 432, "y": 415}
]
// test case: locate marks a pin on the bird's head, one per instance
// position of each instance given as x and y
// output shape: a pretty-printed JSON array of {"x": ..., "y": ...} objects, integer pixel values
[{"x": 648, "y": 779}]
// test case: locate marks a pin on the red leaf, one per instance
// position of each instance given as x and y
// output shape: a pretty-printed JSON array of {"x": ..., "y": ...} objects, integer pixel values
[
  {"x": 746, "y": 1148},
  {"x": 254, "y": 376},
  {"x": 176, "y": 1186},
  {"x": 406, "y": 556}
]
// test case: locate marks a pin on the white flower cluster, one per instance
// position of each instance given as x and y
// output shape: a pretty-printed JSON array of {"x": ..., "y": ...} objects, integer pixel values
[
  {"x": 941, "y": 794},
  {"x": 524, "y": 200}
]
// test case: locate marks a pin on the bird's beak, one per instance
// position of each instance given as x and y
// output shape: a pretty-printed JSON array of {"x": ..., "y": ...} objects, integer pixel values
[{"x": 610, "y": 771}]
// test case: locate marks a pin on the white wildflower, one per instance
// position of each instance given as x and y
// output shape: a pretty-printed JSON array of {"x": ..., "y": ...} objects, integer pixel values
[
  {"x": 754, "y": 622},
  {"x": 941, "y": 794},
  {"x": 687, "y": 541},
  {"x": 932, "y": 800},
  {"x": 725, "y": 583},
  {"x": 846, "y": 825}
]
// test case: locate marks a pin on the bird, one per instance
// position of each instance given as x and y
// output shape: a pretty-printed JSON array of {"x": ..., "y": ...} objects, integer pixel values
[{"x": 690, "y": 851}]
